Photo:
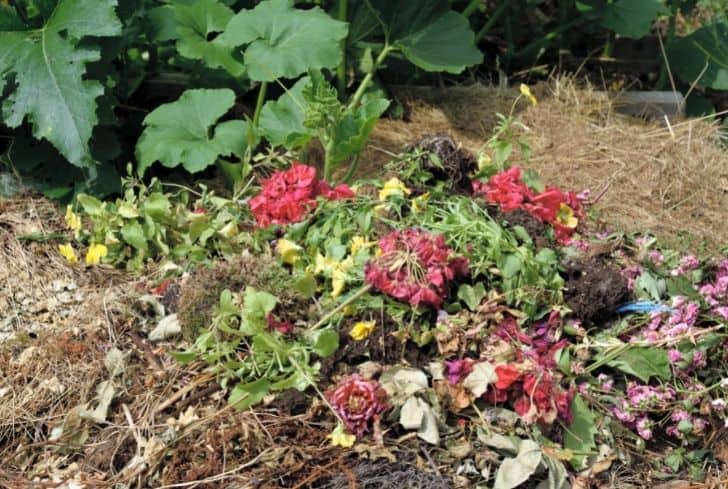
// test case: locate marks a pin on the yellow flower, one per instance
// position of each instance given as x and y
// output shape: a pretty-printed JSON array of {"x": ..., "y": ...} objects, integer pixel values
[
  {"x": 339, "y": 275},
  {"x": 229, "y": 230},
  {"x": 324, "y": 265},
  {"x": 566, "y": 216},
  {"x": 362, "y": 329},
  {"x": 290, "y": 252},
  {"x": 393, "y": 186},
  {"x": 95, "y": 253},
  {"x": 526, "y": 92},
  {"x": 420, "y": 202},
  {"x": 73, "y": 220},
  {"x": 68, "y": 253},
  {"x": 359, "y": 243},
  {"x": 340, "y": 438}
]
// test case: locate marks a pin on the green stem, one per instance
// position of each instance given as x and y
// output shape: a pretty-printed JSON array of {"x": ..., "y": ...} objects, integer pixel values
[
  {"x": 341, "y": 306},
  {"x": 342, "y": 15},
  {"x": 352, "y": 169},
  {"x": 259, "y": 103},
  {"x": 328, "y": 164},
  {"x": 368, "y": 78},
  {"x": 662, "y": 81},
  {"x": 608, "y": 357},
  {"x": 491, "y": 21},
  {"x": 472, "y": 7}
]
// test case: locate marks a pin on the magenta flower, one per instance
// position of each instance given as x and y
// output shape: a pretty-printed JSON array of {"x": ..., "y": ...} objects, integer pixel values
[
  {"x": 458, "y": 369},
  {"x": 357, "y": 401},
  {"x": 644, "y": 427}
]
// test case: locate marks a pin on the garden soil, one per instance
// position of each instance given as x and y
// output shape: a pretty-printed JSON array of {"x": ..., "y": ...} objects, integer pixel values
[{"x": 87, "y": 401}]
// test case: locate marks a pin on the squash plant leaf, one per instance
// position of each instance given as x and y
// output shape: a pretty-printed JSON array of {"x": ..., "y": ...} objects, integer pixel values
[
  {"x": 48, "y": 67},
  {"x": 284, "y": 42},
  {"x": 705, "y": 52},
  {"x": 429, "y": 34},
  {"x": 198, "y": 22},
  {"x": 182, "y": 132},
  {"x": 281, "y": 121},
  {"x": 625, "y": 17}
]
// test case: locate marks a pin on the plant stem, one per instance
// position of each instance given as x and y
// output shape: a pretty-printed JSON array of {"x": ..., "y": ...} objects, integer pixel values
[
  {"x": 472, "y": 7},
  {"x": 352, "y": 169},
  {"x": 328, "y": 164},
  {"x": 368, "y": 78},
  {"x": 259, "y": 103},
  {"x": 341, "y": 306},
  {"x": 342, "y": 15},
  {"x": 491, "y": 21}
]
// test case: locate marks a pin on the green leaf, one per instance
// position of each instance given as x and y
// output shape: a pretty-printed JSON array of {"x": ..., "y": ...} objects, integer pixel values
[
  {"x": 133, "y": 234},
  {"x": 181, "y": 132},
  {"x": 429, "y": 34},
  {"x": 256, "y": 306},
  {"x": 353, "y": 130},
  {"x": 643, "y": 363},
  {"x": 49, "y": 65},
  {"x": 628, "y": 18},
  {"x": 195, "y": 24},
  {"x": 471, "y": 295},
  {"x": 579, "y": 436},
  {"x": 705, "y": 49},
  {"x": 325, "y": 342},
  {"x": 244, "y": 396},
  {"x": 281, "y": 121},
  {"x": 284, "y": 42},
  {"x": 511, "y": 266},
  {"x": 157, "y": 206}
]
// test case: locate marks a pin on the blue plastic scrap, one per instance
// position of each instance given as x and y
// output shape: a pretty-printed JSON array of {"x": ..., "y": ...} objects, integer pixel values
[{"x": 643, "y": 307}]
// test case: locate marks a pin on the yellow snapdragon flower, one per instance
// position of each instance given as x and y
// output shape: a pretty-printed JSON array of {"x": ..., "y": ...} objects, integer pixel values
[
  {"x": 68, "y": 253},
  {"x": 95, "y": 253},
  {"x": 526, "y": 92},
  {"x": 73, "y": 220},
  {"x": 340, "y": 438},
  {"x": 289, "y": 251},
  {"x": 359, "y": 243},
  {"x": 393, "y": 186},
  {"x": 566, "y": 216},
  {"x": 362, "y": 329}
]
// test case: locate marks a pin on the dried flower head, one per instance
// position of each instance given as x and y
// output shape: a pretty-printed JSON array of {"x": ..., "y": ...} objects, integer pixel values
[{"x": 357, "y": 401}]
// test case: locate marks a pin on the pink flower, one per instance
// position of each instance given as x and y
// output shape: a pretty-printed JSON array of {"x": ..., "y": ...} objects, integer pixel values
[
  {"x": 458, "y": 369},
  {"x": 414, "y": 266},
  {"x": 644, "y": 427},
  {"x": 357, "y": 402},
  {"x": 674, "y": 355}
]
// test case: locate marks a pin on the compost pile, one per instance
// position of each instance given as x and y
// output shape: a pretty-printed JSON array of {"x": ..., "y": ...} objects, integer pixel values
[{"x": 444, "y": 326}]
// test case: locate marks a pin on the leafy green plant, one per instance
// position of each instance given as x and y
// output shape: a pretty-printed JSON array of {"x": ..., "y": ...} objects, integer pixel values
[
  {"x": 242, "y": 349},
  {"x": 148, "y": 222}
]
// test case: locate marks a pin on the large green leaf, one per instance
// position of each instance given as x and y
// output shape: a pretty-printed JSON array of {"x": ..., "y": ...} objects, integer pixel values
[
  {"x": 705, "y": 49},
  {"x": 48, "y": 65},
  {"x": 281, "y": 121},
  {"x": 429, "y": 34},
  {"x": 196, "y": 23},
  {"x": 181, "y": 132},
  {"x": 284, "y": 42},
  {"x": 628, "y": 18}
]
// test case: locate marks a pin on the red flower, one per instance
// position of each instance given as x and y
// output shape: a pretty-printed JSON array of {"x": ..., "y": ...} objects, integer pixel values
[
  {"x": 414, "y": 266},
  {"x": 284, "y": 327},
  {"x": 507, "y": 375},
  {"x": 505, "y": 189},
  {"x": 357, "y": 401},
  {"x": 545, "y": 206},
  {"x": 287, "y": 196}
]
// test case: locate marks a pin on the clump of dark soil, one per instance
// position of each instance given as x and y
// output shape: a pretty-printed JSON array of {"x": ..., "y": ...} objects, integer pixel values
[
  {"x": 200, "y": 292},
  {"x": 447, "y": 162},
  {"x": 381, "y": 346},
  {"x": 519, "y": 217},
  {"x": 384, "y": 475},
  {"x": 594, "y": 289}
]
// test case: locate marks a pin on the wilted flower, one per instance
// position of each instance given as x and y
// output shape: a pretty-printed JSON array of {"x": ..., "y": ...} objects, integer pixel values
[
  {"x": 526, "y": 92},
  {"x": 414, "y": 266},
  {"x": 340, "y": 438},
  {"x": 287, "y": 196},
  {"x": 458, "y": 369},
  {"x": 357, "y": 402},
  {"x": 289, "y": 251},
  {"x": 73, "y": 220},
  {"x": 95, "y": 253},
  {"x": 68, "y": 253},
  {"x": 393, "y": 186},
  {"x": 275, "y": 324},
  {"x": 362, "y": 329}
]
